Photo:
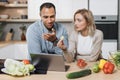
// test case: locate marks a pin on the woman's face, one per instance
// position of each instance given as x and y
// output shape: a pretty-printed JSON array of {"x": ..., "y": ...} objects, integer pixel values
[{"x": 80, "y": 23}]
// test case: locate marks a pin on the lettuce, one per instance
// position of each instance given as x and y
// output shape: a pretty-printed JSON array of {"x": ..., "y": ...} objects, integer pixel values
[{"x": 17, "y": 68}]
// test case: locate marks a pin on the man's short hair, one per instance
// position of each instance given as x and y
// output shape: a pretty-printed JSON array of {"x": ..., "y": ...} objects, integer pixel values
[{"x": 47, "y": 5}]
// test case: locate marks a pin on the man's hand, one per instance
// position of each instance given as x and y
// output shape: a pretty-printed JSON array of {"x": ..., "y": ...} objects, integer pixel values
[{"x": 50, "y": 36}]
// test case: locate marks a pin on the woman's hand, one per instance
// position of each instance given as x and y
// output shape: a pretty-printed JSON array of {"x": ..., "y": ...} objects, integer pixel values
[
  {"x": 68, "y": 56},
  {"x": 60, "y": 44}
]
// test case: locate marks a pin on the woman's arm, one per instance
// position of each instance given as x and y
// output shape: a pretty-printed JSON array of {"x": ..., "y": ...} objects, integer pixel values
[
  {"x": 67, "y": 55},
  {"x": 68, "y": 52}
]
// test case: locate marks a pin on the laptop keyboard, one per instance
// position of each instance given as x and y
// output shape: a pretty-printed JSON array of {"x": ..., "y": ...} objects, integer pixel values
[
  {"x": 42, "y": 67},
  {"x": 1, "y": 66}
]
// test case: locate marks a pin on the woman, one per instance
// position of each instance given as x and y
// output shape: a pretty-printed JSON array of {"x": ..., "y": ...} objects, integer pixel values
[{"x": 86, "y": 41}]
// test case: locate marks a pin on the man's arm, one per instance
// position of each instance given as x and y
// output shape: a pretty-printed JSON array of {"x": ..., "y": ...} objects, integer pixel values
[{"x": 33, "y": 40}]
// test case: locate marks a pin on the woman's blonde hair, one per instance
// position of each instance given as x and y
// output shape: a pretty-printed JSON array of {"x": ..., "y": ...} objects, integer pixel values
[{"x": 87, "y": 14}]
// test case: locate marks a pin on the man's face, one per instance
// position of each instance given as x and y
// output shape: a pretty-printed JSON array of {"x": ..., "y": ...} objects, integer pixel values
[{"x": 48, "y": 17}]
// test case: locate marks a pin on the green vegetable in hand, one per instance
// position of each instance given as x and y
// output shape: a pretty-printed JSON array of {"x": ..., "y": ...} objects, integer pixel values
[{"x": 79, "y": 74}]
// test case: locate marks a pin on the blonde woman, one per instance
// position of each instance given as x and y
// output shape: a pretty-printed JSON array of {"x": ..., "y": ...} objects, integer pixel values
[{"x": 86, "y": 41}]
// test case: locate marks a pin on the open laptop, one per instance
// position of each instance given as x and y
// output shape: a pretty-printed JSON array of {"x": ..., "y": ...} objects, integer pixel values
[{"x": 50, "y": 62}]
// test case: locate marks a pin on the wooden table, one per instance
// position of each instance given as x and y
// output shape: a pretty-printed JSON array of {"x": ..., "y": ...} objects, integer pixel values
[{"x": 53, "y": 75}]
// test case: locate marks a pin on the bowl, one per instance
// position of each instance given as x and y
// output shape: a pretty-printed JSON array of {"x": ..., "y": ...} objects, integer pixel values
[{"x": 4, "y": 16}]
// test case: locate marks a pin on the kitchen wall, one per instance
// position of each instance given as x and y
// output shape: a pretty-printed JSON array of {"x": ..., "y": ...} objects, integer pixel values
[
  {"x": 17, "y": 32},
  {"x": 15, "y": 26}
]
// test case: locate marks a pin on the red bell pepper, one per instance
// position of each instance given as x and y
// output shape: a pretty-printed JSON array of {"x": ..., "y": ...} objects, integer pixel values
[{"x": 108, "y": 68}]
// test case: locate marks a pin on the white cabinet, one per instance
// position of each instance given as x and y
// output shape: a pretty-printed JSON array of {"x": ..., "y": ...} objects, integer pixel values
[
  {"x": 109, "y": 45},
  {"x": 79, "y": 4},
  {"x": 104, "y": 7},
  {"x": 64, "y": 8},
  {"x": 67, "y": 8},
  {"x": 34, "y": 7},
  {"x": 15, "y": 51}
]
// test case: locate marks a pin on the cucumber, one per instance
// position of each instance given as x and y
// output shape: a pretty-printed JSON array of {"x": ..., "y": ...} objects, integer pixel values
[{"x": 79, "y": 74}]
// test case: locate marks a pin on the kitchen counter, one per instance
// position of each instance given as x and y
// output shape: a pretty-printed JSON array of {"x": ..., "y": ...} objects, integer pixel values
[
  {"x": 5, "y": 43},
  {"x": 53, "y": 75}
]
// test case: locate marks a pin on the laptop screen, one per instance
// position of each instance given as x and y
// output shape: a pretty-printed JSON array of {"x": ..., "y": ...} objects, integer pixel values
[{"x": 50, "y": 62}]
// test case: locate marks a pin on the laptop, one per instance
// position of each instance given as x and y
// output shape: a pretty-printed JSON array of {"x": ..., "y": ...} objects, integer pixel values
[{"x": 48, "y": 62}]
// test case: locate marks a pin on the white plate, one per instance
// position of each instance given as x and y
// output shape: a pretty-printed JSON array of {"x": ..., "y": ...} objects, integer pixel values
[{"x": 7, "y": 72}]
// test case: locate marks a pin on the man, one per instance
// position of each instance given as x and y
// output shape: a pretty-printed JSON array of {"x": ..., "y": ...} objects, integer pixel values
[{"x": 43, "y": 35}]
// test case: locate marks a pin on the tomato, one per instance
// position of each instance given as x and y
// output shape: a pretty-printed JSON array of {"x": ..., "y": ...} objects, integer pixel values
[
  {"x": 25, "y": 61},
  {"x": 81, "y": 63},
  {"x": 108, "y": 68}
]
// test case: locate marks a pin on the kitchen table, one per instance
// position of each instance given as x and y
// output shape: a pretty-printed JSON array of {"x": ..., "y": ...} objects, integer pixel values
[{"x": 54, "y": 75}]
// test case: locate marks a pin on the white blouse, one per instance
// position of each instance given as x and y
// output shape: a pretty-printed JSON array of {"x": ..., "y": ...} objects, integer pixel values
[{"x": 84, "y": 46}]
